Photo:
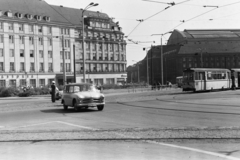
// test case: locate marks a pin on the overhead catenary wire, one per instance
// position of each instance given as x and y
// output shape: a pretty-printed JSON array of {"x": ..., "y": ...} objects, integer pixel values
[
  {"x": 156, "y": 14},
  {"x": 216, "y": 7}
]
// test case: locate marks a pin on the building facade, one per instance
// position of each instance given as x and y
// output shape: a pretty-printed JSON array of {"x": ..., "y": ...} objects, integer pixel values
[
  {"x": 189, "y": 49},
  {"x": 34, "y": 37}
]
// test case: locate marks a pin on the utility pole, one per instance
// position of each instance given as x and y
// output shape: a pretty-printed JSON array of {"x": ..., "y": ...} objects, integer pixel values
[
  {"x": 74, "y": 64},
  {"x": 63, "y": 55}
]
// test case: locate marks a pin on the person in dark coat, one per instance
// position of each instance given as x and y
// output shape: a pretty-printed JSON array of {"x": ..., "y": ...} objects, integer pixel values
[
  {"x": 233, "y": 80},
  {"x": 53, "y": 91}
]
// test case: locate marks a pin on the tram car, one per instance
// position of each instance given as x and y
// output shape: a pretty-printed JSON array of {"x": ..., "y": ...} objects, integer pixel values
[{"x": 207, "y": 79}]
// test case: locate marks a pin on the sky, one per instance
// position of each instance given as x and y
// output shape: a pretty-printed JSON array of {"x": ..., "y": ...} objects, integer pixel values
[{"x": 143, "y": 21}]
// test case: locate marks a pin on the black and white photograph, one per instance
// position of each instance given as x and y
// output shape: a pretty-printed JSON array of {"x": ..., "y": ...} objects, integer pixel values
[{"x": 120, "y": 80}]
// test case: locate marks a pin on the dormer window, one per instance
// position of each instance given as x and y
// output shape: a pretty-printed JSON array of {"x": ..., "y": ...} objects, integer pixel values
[
  {"x": 29, "y": 16},
  {"x": 39, "y": 18},
  {"x": 9, "y": 14},
  {"x": 47, "y": 18},
  {"x": 19, "y": 15}
]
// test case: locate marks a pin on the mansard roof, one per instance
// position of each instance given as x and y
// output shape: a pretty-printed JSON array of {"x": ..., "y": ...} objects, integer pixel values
[
  {"x": 178, "y": 37},
  {"x": 57, "y": 14}
]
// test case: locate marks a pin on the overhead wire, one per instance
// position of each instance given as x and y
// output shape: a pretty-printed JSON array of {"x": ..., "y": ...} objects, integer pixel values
[
  {"x": 205, "y": 13},
  {"x": 156, "y": 14}
]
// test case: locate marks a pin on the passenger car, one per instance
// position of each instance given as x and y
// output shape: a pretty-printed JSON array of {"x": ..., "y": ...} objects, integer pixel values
[{"x": 82, "y": 95}]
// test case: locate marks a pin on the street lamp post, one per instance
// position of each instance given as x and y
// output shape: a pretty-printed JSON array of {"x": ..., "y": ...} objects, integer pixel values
[
  {"x": 83, "y": 40},
  {"x": 162, "y": 55},
  {"x": 147, "y": 63}
]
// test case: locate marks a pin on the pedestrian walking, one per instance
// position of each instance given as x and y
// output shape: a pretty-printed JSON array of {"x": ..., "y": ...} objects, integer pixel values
[{"x": 53, "y": 91}]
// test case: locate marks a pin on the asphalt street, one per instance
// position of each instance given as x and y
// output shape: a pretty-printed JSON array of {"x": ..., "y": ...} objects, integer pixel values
[{"x": 165, "y": 124}]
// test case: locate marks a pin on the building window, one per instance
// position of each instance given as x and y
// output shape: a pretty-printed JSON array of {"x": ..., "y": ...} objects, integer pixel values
[
  {"x": 31, "y": 53},
  {"x": 23, "y": 82},
  {"x": 41, "y": 67},
  {"x": 100, "y": 46},
  {"x": 40, "y": 29},
  {"x": 67, "y": 43},
  {"x": 49, "y": 54},
  {"x": 30, "y": 28},
  {"x": 94, "y": 46},
  {"x": 111, "y": 47},
  {"x": 32, "y": 67},
  {"x": 21, "y": 53},
  {"x": 61, "y": 67},
  {"x": 67, "y": 55},
  {"x": 105, "y": 47},
  {"x": 49, "y": 30},
  {"x": 1, "y": 52},
  {"x": 49, "y": 41},
  {"x": 1, "y": 66},
  {"x": 31, "y": 41},
  {"x": 40, "y": 53},
  {"x": 42, "y": 82},
  {"x": 1, "y": 38},
  {"x": 21, "y": 27},
  {"x": 11, "y": 39},
  {"x": 21, "y": 39},
  {"x": 33, "y": 82},
  {"x": 11, "y": 52},
  {"x": 40, "y": 40},
  {"x": 50, "y": 67},
  {"x": 65, "y": 31},
  {"x": 12, "y": 83},
  {"x": 12, "y": 66},
  {"x": 2, "y": 83},
  {"x": 22, "y": 67},
  {"x": 10, "y": 26},
  {"x": 1, "y": 25},
  {"x": 61, "y": 55},
  {"x": 68, "y": 69},
  {"x": 88, "y": 46}
]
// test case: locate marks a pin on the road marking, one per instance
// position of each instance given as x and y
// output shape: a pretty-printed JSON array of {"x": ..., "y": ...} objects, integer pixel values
[
  {"x": 186, "y": 148},
  {"x": 30, "y": 125},
  {"x": 70, "y": 124},
  {"x": 195, "y": 150}
]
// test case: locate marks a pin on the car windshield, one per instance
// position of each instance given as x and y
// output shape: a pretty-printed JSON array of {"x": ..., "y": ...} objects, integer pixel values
[{"x": 81, "y": 88}]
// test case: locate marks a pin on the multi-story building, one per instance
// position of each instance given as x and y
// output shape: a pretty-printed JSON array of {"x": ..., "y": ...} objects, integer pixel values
[
  {"x": 186, "y": 49},
  {"x": 34, "y": 35}
]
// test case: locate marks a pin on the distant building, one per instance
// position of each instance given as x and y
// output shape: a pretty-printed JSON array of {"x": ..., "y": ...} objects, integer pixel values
[
  {"x": 189, "y": 48},
  {"x": 31, "y": 45}
]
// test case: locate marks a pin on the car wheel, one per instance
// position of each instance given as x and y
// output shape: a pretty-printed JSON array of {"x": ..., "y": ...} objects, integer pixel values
[
  {"x": 100, "y": 107},
  {"x": 65, "y": 106},
  {"x": 75, "y": 105}
]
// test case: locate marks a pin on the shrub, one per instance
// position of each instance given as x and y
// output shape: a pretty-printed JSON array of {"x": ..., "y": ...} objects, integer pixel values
[{"x": 9, "y": 92}]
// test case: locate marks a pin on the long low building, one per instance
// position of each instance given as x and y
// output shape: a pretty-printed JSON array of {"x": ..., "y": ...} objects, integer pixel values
[
  {"x": 35, "y": 36},
  {"x": 219, "y": 48}
]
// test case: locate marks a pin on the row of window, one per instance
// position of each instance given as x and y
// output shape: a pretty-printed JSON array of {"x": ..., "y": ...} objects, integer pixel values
[
  {"x": 20, "y": 27},
  {"x": 89, "y": 67},
  {"x": 104, "y": 46},
  {"x": 97, "y": 34},
  {"x": 22, "y": 67},
  {"x": 206, "y": 64},
  {"x": 40, "y": 41},
  {"x": 211, "y": 59},
  {"x": 42, "y": 82},
  {"x": 28, "y": 16}
]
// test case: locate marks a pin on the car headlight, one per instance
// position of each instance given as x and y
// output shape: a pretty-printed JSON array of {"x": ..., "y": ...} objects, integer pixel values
[{"x": 102, "y": 98}]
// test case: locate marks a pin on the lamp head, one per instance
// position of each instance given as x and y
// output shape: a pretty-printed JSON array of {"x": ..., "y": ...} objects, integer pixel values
[
  {"x": 96, "y": 4},
  {"x": 91, "y": 3}
]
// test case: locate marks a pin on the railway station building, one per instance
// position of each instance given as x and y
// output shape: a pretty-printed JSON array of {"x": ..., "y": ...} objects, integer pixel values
[
  {"x": 35, "y": 35},
  {"x": 188, "y": 49}
]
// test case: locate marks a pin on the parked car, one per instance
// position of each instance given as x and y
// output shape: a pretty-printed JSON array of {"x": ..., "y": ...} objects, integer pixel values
[{"x": 82, "y": 95}]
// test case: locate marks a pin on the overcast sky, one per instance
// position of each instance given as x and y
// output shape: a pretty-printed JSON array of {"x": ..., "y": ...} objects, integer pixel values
[{"x": 185, "y": 14}]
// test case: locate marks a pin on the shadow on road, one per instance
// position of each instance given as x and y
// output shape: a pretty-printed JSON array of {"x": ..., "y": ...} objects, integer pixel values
[{"x": 69, "y": 111}]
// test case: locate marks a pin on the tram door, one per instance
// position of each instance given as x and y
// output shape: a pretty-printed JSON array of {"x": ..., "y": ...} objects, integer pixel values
[{"x": 203, "y": 80}]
